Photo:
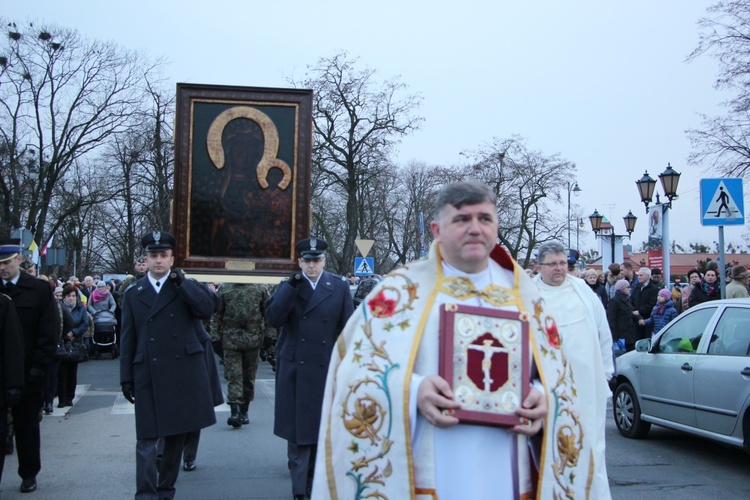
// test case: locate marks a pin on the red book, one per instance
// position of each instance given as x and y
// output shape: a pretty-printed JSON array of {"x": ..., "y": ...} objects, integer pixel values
[{"x": 484, "y": 356}]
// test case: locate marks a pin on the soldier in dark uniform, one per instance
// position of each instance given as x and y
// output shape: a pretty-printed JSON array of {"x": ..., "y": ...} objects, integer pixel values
[
  {"x": 240, "y": 327},
  {"x": 11, "y": 365},
  {"x": 312, "y": 308},
  {"x": 37, "y": 312},
  {"x": 166, "y": 366}
]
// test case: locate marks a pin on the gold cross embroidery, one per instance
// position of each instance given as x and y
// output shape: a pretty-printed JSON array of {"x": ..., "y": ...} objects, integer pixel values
[{"x": 462, "y": 288}]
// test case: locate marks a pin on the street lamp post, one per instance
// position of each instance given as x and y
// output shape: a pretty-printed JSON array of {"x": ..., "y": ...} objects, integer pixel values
[
  {"x": 609, "y": 234},
  {"x": 646, "y": 185},
  {"x": 575, "y": 189}
]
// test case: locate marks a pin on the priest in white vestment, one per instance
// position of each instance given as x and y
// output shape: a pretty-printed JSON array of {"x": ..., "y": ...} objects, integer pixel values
[
  {"x": 386, "y": 424},
  {"x": 586, "y": 343}
]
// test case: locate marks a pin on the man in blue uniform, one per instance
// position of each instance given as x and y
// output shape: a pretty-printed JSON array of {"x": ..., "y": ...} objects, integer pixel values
[
  {"x": 37, "y": 312},
  {"x": 166, "y": 367},
  {"x": 11, "y": 363},
  {"x": 312, "y": 308}
]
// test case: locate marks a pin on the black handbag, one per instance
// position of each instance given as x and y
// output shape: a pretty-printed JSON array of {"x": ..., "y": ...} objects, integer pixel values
[{"x": 72, "y": 352}]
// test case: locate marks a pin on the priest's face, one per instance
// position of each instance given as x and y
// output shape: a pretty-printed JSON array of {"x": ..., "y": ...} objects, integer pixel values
[
  {"x": 466, "y": 235},
  {"x": 554, "y": 269}
]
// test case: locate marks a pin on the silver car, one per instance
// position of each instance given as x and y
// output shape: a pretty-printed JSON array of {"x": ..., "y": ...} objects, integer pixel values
[{"x": 694, "y": 376}]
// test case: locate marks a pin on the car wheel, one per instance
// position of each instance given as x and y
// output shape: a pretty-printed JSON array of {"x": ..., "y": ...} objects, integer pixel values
[{"x": 628, "y": 413}]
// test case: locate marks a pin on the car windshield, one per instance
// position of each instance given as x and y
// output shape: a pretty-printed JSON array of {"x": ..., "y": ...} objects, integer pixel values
[
  {"x": 732, "y": 334},
  {"x": 685, "y": 335}
]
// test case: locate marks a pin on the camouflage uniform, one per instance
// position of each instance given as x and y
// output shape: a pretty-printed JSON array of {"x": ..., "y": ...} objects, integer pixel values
[
  {"x": 126, "y": 283},
  {"x": 240, "y": 327}
]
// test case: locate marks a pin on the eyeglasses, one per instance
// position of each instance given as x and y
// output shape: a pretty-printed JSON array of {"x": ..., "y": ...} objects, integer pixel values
[{"x": 554, "y": 264}]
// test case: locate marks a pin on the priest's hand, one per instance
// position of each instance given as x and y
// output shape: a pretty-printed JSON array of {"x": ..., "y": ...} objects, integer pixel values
[
  {"x": 435, "y": 401},
  {"x": 533, "y": 410}
]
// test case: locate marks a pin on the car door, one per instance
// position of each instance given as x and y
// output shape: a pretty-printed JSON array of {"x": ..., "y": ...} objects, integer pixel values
[
  {"x": 722, "y": 375},
  {"x": 666, "y": 372}
]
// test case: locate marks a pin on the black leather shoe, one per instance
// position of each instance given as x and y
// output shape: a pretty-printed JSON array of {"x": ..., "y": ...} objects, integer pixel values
[
  {"x": 28, "y": 485},
  {"x": 47, "y": 408},
  {"x": 189, "y": 465}
]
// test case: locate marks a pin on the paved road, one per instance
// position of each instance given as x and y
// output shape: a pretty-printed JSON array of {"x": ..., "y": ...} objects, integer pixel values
[{"x": 88, "y": 450}]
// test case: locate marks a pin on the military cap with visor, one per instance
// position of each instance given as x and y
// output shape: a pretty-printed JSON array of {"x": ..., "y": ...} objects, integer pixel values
[
  {"x": 9, "y": 248},
  {"x": 311, "y": 248},
  {"x": 158, "y": 241}
]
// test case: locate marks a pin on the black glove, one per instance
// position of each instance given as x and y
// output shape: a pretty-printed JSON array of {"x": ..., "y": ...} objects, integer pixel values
[
  {"x": 127, "y": 391},
  {"x": 295, "y": 279},
  {"x": 37, "y": 376},
  {"x": 177, "y": 276},
  {"x": 12, "y": 397}
]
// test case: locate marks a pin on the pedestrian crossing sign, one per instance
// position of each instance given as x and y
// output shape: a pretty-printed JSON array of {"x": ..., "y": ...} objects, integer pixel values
[
  {"x": 722, "y": 202},
  {"x": 364, "y": 266}
]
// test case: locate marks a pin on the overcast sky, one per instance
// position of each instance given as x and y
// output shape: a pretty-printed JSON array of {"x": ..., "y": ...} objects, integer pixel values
[{"x": 602, "y": 83}]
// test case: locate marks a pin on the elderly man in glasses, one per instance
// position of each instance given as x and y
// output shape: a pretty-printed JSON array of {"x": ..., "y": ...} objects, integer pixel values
[
  {"x": 312, "y": 308},
  {"x": 586, "y": 344}
]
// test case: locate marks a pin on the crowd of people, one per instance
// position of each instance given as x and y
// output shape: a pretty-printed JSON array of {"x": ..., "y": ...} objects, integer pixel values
[{"x": 639, "y": 304}]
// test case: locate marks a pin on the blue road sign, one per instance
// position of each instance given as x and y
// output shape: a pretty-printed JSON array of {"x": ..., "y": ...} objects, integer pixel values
[
  {"x": 722, "y": 202},
  {"x": 364, "y": 266}
]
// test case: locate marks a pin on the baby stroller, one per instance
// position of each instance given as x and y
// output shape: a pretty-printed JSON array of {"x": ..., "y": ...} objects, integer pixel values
[{"x": 105, "y": 335}]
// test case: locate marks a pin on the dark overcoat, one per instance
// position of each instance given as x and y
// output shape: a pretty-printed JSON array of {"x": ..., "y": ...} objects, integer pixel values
[
  {"x": 620, "y": 318},
  {"x": 643, "y": 298},
  {"x": 11, "y": 343},
  {"x": 311, "y": 320},
  {"x": 40, "y": 322},
  {"x": 164, "y": 354}
]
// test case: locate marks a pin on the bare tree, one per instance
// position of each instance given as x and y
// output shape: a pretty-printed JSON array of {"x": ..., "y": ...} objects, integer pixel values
[
  {"x": 78, "y": 205},
  {"x": 722, "y": 142},
  {"x": 62, "y": 96},
  {"x": 410, "y": 208},
  {"x": 528, "y": 185},
  {"x": 139, "y": 179},
  {"x": 357, "y": 121}
]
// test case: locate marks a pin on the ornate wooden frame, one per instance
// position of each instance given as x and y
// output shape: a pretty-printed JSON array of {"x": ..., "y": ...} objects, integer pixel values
[{"x": 242, "y": 179}]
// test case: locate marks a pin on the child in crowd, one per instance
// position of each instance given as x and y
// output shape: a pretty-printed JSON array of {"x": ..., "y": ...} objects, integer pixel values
[{"x": 662, "y": 313}]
